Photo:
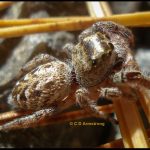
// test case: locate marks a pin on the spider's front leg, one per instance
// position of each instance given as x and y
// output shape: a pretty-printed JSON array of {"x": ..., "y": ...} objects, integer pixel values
[
  {"x": 131, "y": 74},
  {"x": 110, "y": 92},
  {"x": 84, "y": 99}
]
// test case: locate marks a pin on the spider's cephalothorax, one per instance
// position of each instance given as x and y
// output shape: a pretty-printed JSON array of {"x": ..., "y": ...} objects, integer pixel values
[
  {"x": 92, "y": 58},
  {"x": 45, "y": 83},
  {"x": 100, "y": 47}
]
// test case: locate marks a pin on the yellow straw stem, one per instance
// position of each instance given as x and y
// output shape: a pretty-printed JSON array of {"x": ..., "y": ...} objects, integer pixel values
[
  {"x": 144, "y": 99},
  {"x": 132, "y": 20},
  {"x": 20, "y": 22},
  {"x": 118, "y": 143},
  {"x": 130, "y": 122},
  {"x": 4, "y": 5}
]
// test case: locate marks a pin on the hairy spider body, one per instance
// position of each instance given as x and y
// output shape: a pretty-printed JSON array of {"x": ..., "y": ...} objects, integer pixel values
[{"x": 101, "y": 52}]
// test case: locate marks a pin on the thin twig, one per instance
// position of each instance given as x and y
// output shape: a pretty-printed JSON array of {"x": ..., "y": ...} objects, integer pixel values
[
  {"x": 106, "y": 8},
  {"x": 98, "y": 9},
  {"x": 31, "y": 21},
  {"x": 95, "y": 9},
  {"x": 4, "y": 4},
  {"x": 144, "y": 98},
  {"x": 10, "y": 115}
]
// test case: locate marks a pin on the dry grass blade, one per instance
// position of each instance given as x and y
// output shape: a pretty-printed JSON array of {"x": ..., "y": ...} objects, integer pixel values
[
  {"x": 144, "y": 95},
  {"x": 40, "y": 28},
  {"x": 8, "y": 116},
  {"x": 117, "y": 143},
  {"x": 20, "y": 22},
  {"x": 4, "y": 4},
  {"x": 106, "y": 8},
  {"x": 98, "y": 9},
  {"x": 131, "y": 126},
  {"x": 132, "y": 20},
  {"x": 113, "y": 144}
]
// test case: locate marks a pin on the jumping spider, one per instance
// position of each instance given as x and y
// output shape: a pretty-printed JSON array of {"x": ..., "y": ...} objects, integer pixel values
[{"x": 46, "y": 85}]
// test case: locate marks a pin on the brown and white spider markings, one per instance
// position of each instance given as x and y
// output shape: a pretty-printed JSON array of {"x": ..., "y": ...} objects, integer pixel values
[{"x": 101, "y": 58}]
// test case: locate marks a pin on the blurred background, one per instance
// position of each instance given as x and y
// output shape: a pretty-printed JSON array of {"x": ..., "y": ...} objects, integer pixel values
[{"x": 15, "y": 52}]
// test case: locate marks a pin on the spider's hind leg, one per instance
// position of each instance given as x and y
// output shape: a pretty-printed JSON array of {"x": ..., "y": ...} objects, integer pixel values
[{"x": 28, "y": 121}]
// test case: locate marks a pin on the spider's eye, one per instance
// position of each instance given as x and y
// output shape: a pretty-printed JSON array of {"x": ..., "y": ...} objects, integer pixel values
[
  {"x": 111, "y": 46},
  {"x": 94, "y": 62}
]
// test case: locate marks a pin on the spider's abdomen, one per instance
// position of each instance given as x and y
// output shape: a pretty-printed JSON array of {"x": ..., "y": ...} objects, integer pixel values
[{"x": 41, "y": 87}]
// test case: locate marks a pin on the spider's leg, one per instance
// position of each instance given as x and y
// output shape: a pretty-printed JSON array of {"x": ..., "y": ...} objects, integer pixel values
[
  {"x": 130, "y": 73},
  {"x": 36, "y": 61},
  {"x": 132, "y": 76},
  {"x": 68, "y": 48},
  {"x": 28, "y": 121},
  {"x": 110, "y": 92},
  {"x": 89, "y": 105}
]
